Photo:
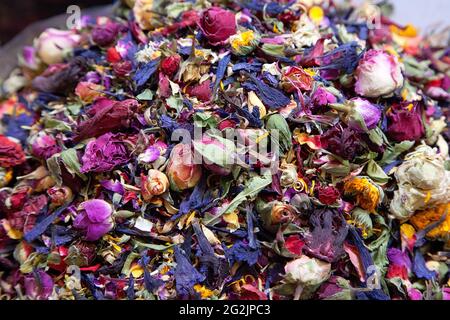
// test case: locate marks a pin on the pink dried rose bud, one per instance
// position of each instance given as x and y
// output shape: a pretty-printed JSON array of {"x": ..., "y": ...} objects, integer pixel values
[
  {"x": 361, "y": 116},
  {"x": 378, "y": 74},
  {"x": 94, "y": 219},
  {"x": 122, "y": 68},
  {"x": 218, "y": 25},
  {"x": 154, "y": 184},
  {"x": 60, "y": 195},
  {"x": 218, "y": 154},
  {"x": 52, "y": 44},
  {"x": 181, "y": 170},
  {"x": 44, "y": 145},
  {"x": 307, "y": 274},
  {"x": 369, "y": 113},
  {"x": 170, "y": 65},
  {"x": 105, "y": 34}
]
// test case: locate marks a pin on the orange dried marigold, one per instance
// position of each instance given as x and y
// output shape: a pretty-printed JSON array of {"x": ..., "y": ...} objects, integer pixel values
[
  {"x": 424, "y": 218},
  {"x": 368, "y": 195}
]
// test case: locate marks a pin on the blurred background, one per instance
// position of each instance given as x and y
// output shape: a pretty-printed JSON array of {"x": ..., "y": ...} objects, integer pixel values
[
  {"x": 423, "y": 14},
  {"x": 15, "y": 15}
]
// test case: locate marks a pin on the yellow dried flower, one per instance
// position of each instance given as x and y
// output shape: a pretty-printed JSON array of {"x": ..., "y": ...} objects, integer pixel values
[
  {"x": 6, "y": 176},
  {"x": 242, "y": 39},
  {"x": 424, "y": 218},
  {"x": 244, "y": 42},
  {"x": 368, "y": 195},
  {"x": 407, "y": 230},
  {"x": 316, "y": 14},
  {"x": 203, "y": 291},
  {"x": 409, "y": 31}
]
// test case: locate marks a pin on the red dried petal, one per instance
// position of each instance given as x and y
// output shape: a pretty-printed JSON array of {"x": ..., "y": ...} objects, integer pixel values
[{"x": 11, "y": 153}]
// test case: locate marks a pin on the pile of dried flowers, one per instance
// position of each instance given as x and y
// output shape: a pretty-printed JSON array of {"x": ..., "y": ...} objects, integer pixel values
[{"x": 349, "y": 201}]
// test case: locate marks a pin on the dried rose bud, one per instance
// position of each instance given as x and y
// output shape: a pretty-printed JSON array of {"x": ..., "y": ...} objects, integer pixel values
[
  {"x": 368, "y": 112},
  {"x": 275, "y": 213},
  {"x": 154, "y": 184},
  {"x": 60, "y": 195},
  {"x": 289, "y": 175},
  {"x": 281, "y": 213},
  {"x": 44, "y": 145},
  {"x": 423, "y": 182},
  {"x": 327, "y": 195},
  {"x": 122, "y": 68},
  {"x": 104, "y": 35},
  {"x": 170, "y": 65},
  {"x": 52, "y": 44},
  {"x": 378, "y": 74},
  {"x": 405, "y": 122},
  {"x": 307, "y": 273},
  {"x": 217, "y": 25},
  {"x": 94, "y": 219},
  {"x": 218, "y": 153},
  {"x": 361, "y": 115},
  {"x": 182, "y": 172}
]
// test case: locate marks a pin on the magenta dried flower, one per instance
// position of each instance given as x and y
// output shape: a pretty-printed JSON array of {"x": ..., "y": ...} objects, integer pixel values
[
  {"x": 234, "y": 150},
  {"x": 44, "y": 146},
  {"x": 405, "y": 122},
  {"x": 202, "y": 91},
  {"x": 104, "y": 35},
  {"x": 106, "y": 116},
  {"x": 29, "y": 56},
  {"x": 38, "y": 285},
  {"x": 343, "y": 142},
  {"x": 370, "y": 114},
  {"x": 322, "y": 97},
  {"x": 94, "y": 219},
  {"x": 104, "y": 153}
]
